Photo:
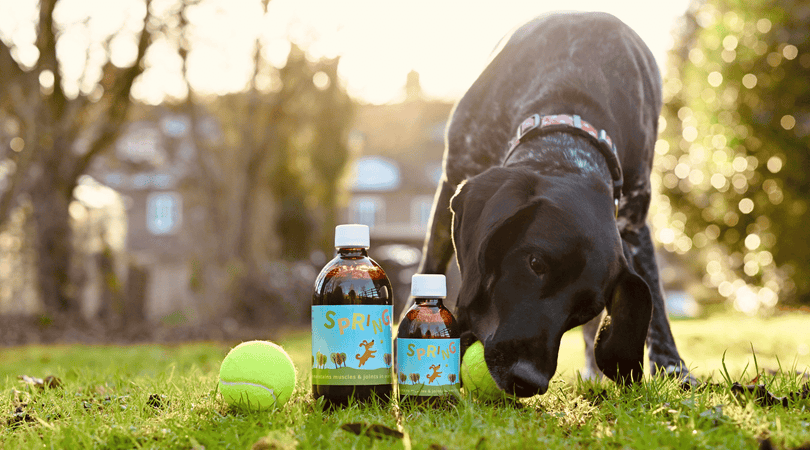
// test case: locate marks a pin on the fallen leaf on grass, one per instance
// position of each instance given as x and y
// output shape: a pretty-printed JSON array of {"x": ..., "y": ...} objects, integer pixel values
[
  {"x": 49, "y": 382},
  {"x": 764, "y": 398},
  {"x": 19, "y": 417},
  {"x": 157, "y": 401},
  {"x": 375, "y": 431},
  {"x": 697, "y": 386},
  {"x": 766, "y": 444},
  {"x": 596, "y": 397},
  {"x": 761, "y": 395}
]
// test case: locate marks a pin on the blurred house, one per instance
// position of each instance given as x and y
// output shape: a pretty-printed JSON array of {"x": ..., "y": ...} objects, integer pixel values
[
  {"x": 399, "y": 150},
  {"x": 149, "y": 166}
]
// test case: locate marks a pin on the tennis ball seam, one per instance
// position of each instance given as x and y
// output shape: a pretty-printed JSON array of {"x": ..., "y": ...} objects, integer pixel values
[{"x": 245, "y": 383}]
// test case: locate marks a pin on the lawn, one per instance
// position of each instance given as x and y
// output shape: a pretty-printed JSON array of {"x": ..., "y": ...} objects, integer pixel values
[{"x": 153, "y": 396}]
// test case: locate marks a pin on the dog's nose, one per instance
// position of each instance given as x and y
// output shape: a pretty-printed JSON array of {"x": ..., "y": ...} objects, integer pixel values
[{"x": 527, "y": 381}]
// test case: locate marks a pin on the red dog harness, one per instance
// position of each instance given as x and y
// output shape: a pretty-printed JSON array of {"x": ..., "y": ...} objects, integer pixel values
[{"x": 537, "y": 125}]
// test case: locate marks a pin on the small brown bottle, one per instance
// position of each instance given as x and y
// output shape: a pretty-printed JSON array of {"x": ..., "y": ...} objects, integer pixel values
[
  {"x": 428, "y": 346},
  {"x": 351, "y": 324}
]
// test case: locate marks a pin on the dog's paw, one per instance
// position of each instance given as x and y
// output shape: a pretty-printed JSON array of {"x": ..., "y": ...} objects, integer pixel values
[
  {"x": 589, "y": 374},
  {"x": 678, "y": 371}
]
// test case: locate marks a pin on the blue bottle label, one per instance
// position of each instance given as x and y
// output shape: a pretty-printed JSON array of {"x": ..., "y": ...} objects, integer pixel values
[
  {"x": 428, "y": 367},
  {"x": 351, "y": 345}
]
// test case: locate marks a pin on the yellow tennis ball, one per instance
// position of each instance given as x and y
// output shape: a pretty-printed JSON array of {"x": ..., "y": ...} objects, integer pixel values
[
  {"x": 257, "y": 375},
  {"x": 475, "y": 375}
]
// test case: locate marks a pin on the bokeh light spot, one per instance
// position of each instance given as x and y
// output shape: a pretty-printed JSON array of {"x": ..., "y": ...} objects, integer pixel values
[
  {"x": 696, "y": 176},
  {"x": 661, "y": 147},
  {"x": 752, "y": 241},
  {"x": 17, "y": 144},
  {"x": 788, "y": 122},
  {"x": 790, "y": 52},
  {"x": 749, "y": 80},
  {"x": 774, "y": 164},
  {"x": 666, "y": 236},
  {"x": 718, "y": 181},
  {"x": 715, "y": 79},
  {"x": 719, "y": 141},
  {"x": 321, "y": 80},
  {"x": 730, "y": 42},
  {"x": 763, "y": 25},
  {"x": 751, "y": 268},
  {"x": 690, "y": 133},
  {"x": 712, "y": 231}
]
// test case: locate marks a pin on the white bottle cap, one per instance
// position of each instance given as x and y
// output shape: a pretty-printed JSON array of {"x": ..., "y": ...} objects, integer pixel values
[
  {"x": 351, "y": 236},
  {"x": 432, "y": 286}
]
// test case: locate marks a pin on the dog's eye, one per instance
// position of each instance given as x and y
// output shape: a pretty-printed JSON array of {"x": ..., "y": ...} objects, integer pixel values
[{"x": 537, "y": 265}]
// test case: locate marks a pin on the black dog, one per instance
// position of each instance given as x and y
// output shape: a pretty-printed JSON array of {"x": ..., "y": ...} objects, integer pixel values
[{"x": 549, "y": 225}]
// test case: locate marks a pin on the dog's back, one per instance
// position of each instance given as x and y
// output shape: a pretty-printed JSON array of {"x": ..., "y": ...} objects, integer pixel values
[{"x": 590, "y": 64}]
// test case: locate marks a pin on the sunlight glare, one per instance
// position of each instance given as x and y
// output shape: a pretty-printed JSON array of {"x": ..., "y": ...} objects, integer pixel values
[{"x": 447, "y": 42}]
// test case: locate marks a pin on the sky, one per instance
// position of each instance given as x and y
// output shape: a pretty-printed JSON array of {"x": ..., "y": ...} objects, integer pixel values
[
  {"x": 379, "y": 41},
  {"x": 448, "y": 42}
]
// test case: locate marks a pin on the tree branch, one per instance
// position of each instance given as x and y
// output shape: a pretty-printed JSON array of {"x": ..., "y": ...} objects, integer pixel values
[
  {"x": 46, "y": 43},
  {"x": 76, "y": 113},
  {"x": 13, "y": 76},
  {"x": 117, "y": 100}
]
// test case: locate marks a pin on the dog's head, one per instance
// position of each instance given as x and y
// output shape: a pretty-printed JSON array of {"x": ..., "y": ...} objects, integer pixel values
[{"x": 540, "y": 255}]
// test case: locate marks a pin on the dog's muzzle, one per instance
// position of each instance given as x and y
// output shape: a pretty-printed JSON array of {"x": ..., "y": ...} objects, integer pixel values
[{"x": 527, "y": 381}]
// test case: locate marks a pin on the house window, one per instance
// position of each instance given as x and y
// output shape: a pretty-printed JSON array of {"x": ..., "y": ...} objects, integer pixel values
[
  {"x": 164, "y": 212},
  {"x": 375, "y": 173},
  {"x": 420, "y": 210},
  {"x": 367, "y": 210}
]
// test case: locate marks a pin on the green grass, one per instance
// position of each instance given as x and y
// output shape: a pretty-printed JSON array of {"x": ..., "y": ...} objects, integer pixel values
[{"x": 104, "y": 400}]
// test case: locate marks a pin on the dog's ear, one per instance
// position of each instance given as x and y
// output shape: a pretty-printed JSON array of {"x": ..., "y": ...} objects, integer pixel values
[
  {"x": 619, "y": 344},
  {"x": 481, "y": 207}
]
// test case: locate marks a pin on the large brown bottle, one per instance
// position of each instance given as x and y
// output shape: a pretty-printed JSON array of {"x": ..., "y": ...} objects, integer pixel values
[
  {"x": 428, "y": 346},
  {"x": 351, "y": 324}
]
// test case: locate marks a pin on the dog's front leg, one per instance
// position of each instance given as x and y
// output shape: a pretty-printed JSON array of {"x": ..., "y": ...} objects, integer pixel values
[
  {"x": 438, "y": 247},
  {"x": 663, "y": 353},
  {"x": 591, "y": 370}
]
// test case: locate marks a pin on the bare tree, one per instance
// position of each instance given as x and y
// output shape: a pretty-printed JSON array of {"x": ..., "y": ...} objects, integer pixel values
[
  {"x": 57, "y": 136},
  {"x": 255, "y": 168}
]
